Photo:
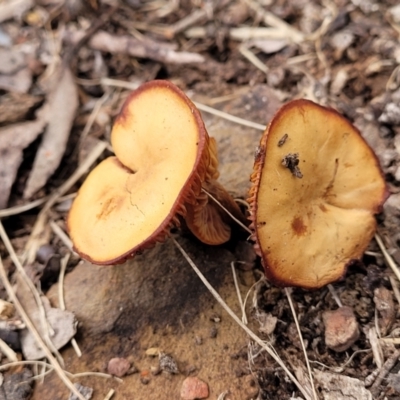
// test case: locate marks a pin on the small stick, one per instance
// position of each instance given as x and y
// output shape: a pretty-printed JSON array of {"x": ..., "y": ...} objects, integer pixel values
[
  {"x": 296, "y": 321},
  {"x": 264, "y": 345},
  {"x": 109, "y": 394}
]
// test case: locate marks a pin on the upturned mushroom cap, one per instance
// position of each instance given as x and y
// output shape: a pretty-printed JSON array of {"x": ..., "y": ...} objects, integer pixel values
[
  {"x": 316, "y": 188},
  {"x": 130, "y": 201}
]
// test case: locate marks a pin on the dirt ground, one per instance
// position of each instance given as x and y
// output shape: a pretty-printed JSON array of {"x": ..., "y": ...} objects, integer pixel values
[{"x": 66, "y": 66}]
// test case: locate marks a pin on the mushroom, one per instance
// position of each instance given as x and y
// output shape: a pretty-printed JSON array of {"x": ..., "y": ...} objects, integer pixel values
[
  {"x": 316, "y": 186},
  {"x": 163, "y": 158}
]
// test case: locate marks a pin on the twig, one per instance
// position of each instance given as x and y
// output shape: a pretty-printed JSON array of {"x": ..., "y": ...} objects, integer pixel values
[
  {"x": 264, "y": 345},
  {"x": 8, "y": 351},
  {"x": 296, "y": 321},
  {"x": 53, "y": 361},
  {"x": 109, "y": 394}
]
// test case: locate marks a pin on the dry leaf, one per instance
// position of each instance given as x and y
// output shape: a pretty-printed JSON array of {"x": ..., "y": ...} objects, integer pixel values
[
  {"x": 63, "y": 103},
  {"x": 13, "y": 140},
  {"x": 21, "y": 81},
  {"x": 15, "y": 106},
  {"x": 62, "y": 322},
  {"x": 14, "y": 8},
  {"x": 12, "y": 60}
]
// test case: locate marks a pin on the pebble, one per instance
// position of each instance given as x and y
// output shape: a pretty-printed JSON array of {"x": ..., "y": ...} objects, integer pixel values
[
  {"x": 194, "y": 388},
  {"x": 118, "y": 366},
  {"x": 341, "y": 328}
]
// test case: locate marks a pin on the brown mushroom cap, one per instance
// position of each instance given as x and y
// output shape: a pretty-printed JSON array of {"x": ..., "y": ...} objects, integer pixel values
[
  {"x": 130, "y": 201},
  {"x": 316, "y": 188}
]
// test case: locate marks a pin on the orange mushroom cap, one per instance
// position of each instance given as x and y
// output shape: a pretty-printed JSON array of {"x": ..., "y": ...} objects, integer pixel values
[
  {"x": 163, "y": 156},
  {"x": 316, "y": 186}
]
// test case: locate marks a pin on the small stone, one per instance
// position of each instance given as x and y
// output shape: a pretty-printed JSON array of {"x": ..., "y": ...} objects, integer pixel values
[
  {"x": 341, "y": 328},
  {"x": 194, "y": 388},
  {"x": 145, "y": 377},
  {"x": 118, "y": 366},
  {"x": 213, "y": 332},
  {"x": 168, "y": 364}
]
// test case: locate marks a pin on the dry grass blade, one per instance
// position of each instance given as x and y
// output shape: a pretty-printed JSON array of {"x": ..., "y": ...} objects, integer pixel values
[
  {"x": 296, "y": 321},
  {"x": 245, "y": 52},
  {"x": 8, "y": 212},
  {"x": 387, "y": 256},
  {"x": 53, "y": 361},
  {"x": 239, "y": 295},
  {"x": 200, "y": 106},
  {"x": 62, "y": 236},
  {"x": 64, "y": 263},
  {"x": 31, "y": 287},
  {"x": 229, "y": 117},
  {"x": 335, "y": 295},
  {"x": 109, "y": 394},
  {"x": 220, "y": 205},
  {"x": 272, "y": 20},
  {"x": 8, "y": 351},
  {"x": 264, "y": 345}
]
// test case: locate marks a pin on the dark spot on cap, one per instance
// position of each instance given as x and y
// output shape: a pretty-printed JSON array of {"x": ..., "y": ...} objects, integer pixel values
[
  {"x": 298, "y": 226},
  {"x": 323, "y": 208}
]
